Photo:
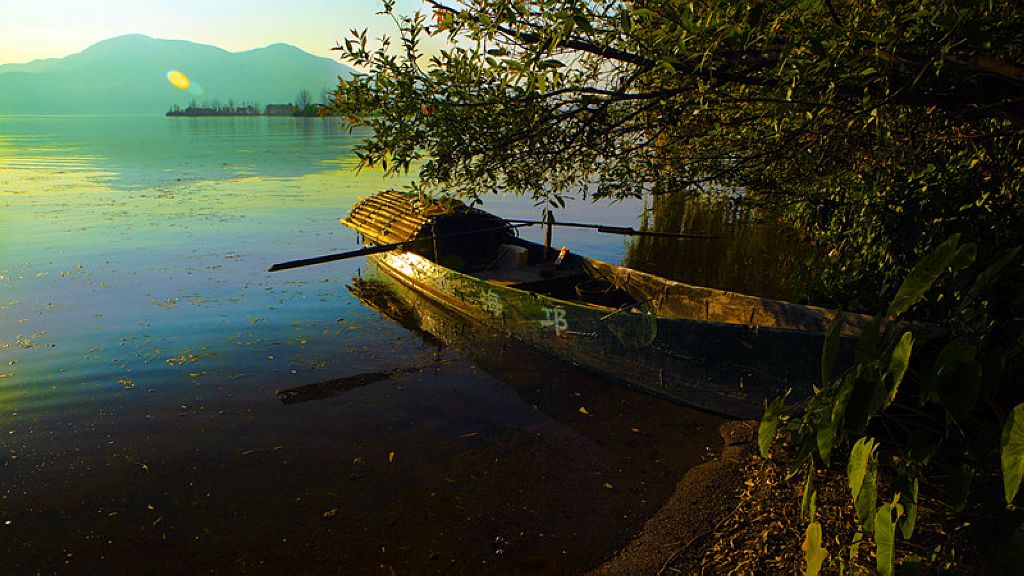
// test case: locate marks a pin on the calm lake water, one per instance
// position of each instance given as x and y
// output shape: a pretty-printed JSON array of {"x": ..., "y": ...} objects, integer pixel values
[{"x": 143, "y": 346}]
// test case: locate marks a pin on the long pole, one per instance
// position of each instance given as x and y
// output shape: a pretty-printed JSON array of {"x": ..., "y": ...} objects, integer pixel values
[
  {"x": 548, "y": 223},
  {"x": 549, "y": 220},
  {"x": 612, "y": 229}
]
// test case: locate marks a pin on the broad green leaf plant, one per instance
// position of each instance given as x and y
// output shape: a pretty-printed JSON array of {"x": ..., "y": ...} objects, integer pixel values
[{"x": 908, "y": 378}]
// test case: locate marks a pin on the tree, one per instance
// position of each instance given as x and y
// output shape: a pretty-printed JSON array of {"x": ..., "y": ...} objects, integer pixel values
[
  {"x": 303, "y": 100},
  {"x": 879, "y": 128},
  {"x": 889, "y": 132}
]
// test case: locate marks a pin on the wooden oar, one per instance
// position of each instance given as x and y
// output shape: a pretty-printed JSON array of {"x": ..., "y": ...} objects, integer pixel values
[
  {"x": 382, "y": 248},
  {"x": 617, "y": 229},
  {"x": 343, "y": 255}
]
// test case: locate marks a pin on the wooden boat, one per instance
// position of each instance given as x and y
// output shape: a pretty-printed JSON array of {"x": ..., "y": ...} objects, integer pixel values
[{"x": 713, "y": 349}]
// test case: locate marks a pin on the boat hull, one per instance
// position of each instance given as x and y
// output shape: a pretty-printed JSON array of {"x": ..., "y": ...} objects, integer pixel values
[{"x": 729, "y": 369}]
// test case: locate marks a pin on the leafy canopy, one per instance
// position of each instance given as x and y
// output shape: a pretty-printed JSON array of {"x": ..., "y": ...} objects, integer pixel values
[{"x": 878, "y": 126}]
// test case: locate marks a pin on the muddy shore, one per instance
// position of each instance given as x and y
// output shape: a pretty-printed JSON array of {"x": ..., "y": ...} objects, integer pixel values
[{"x": 702, "y": 497}]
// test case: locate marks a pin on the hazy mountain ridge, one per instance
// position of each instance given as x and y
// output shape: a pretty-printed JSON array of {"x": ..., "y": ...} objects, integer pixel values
[{"x": 128, "y": 74}]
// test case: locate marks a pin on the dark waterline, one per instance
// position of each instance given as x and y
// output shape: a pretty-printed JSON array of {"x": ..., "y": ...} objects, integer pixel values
[{"x": 143, "y": 346}]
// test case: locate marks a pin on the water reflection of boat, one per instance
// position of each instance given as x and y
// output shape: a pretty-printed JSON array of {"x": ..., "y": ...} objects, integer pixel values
[{"x": 714, "y": 349}]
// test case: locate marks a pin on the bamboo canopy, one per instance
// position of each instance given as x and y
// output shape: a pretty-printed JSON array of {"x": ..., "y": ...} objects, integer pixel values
[{"x": 390, "y": 216}]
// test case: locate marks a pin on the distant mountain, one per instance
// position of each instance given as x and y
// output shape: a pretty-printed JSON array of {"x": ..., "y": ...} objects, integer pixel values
[{"x": 128, "y": 74}]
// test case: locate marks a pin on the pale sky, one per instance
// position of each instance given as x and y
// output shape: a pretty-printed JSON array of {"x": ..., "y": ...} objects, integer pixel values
[{"x": 34, "y": 29}]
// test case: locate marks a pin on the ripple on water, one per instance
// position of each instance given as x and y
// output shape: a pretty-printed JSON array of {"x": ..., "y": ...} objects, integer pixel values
[{"x": 143, "y": 348}]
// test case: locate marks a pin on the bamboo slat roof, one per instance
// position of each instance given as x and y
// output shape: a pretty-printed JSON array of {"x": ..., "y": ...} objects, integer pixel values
[{"x": 388, "y": 217}]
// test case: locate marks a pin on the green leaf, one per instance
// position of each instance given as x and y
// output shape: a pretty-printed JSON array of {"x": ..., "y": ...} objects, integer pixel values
[
  {"x": 858, "y": 537},
  {"x": 866, "y": 348},
  {"x": 885, "y": 537},
  {"x": 583, "y": 23},
  {"x": 814, "y": 553},
  {"x": 825, "y": 436},
  {"x": 803, "y": 455},
  {"x": 898, "y": 363},
  {"x": 1011, "y": 452},
  {"x": 923, "y": 275},
  {"x": 987, "y": 278},
  {"x": 862, "y": 474},
  {"x": 769, "y": 423},
  {"x": 867, "y": 500},
  {"x": 860, "y": 458},
  {"x": 865, "y": 400},
  {"x": 842, "y": 396},
  {"x": 964, "y": 257},
  {"x": 828, "y": 426},
  {"x": 907, "y": 490},
  {"x": 830, "y": 350},
  {"x": 807, "y": 503},
  {"x": 626, "y": 21}
]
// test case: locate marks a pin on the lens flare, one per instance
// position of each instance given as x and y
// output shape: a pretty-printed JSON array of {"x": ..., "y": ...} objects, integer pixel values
[{"x": 178, "y": 79}]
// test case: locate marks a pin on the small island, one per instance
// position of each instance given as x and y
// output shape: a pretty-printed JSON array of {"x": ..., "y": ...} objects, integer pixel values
[{"x": 303, "y": 106}]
